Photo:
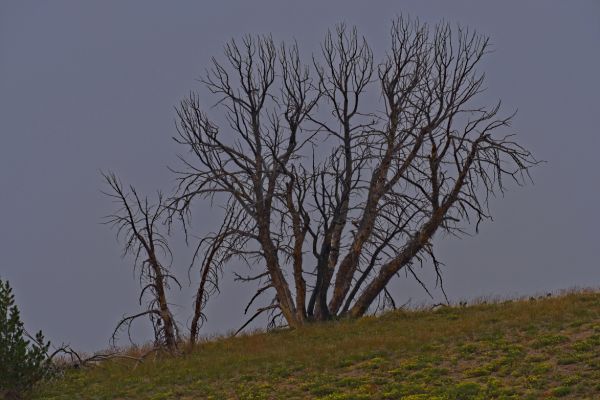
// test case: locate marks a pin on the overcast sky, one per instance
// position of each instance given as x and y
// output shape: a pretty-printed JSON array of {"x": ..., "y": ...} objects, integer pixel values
[{"x": 89, "y": 86}]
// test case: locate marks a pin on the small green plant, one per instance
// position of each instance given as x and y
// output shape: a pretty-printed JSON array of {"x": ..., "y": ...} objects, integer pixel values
[{"x": 22, "y": 362}]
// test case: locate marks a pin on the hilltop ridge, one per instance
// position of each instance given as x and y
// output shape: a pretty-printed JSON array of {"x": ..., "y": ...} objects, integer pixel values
[{"x": 522, "y": 349}]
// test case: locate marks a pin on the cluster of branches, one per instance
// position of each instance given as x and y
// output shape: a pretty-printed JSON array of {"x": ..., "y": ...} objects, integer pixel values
[
  {"x": 136, "y": 221},
  {"x": 336, "y": 174}
]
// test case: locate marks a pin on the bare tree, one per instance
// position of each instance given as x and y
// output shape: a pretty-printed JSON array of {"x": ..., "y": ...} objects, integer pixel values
[
  {"x": 337, "y": 174},
  {"x": 215, "y": 254},
  {"x": 136, "y": 222}
]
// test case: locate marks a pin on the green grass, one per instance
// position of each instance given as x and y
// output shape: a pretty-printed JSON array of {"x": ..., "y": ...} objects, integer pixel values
[{"x": 547, "y": 348}]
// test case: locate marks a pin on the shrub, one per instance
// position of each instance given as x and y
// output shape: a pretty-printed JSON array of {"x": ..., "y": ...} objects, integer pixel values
[{"x": 22, "y": 362}]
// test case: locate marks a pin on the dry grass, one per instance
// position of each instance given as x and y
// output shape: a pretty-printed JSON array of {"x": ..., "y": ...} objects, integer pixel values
[{"x": 526, "y": 349}]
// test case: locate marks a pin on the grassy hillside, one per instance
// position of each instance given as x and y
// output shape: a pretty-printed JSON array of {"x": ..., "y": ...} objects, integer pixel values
[{"x": 530, "y": 349}]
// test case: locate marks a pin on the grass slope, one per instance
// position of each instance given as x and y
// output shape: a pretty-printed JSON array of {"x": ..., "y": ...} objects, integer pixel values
[{"x": 546, "y": 348}]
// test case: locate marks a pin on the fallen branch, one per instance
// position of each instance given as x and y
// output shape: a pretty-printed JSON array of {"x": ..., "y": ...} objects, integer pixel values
[{"x": 78, "y": 361}]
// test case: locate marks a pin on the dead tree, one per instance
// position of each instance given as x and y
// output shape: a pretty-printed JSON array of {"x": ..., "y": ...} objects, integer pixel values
[
  {"x": 340, "y": 172},
  {"x": 136, "y": 221},
  {"x": 216, "y": 250}
]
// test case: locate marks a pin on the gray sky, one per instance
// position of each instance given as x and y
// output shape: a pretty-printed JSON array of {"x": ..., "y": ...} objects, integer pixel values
[{"x": 88, "y": 86}]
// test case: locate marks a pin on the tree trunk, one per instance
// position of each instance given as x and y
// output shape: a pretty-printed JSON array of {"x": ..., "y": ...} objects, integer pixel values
[{"x": 284, "y": 295}]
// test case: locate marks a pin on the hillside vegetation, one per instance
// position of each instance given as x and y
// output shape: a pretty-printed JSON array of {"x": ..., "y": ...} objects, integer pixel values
[{"x": 529, "y": 349}]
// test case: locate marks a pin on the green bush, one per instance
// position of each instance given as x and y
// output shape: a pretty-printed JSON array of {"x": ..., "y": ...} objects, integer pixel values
[{"x": 22, "y": 362}]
